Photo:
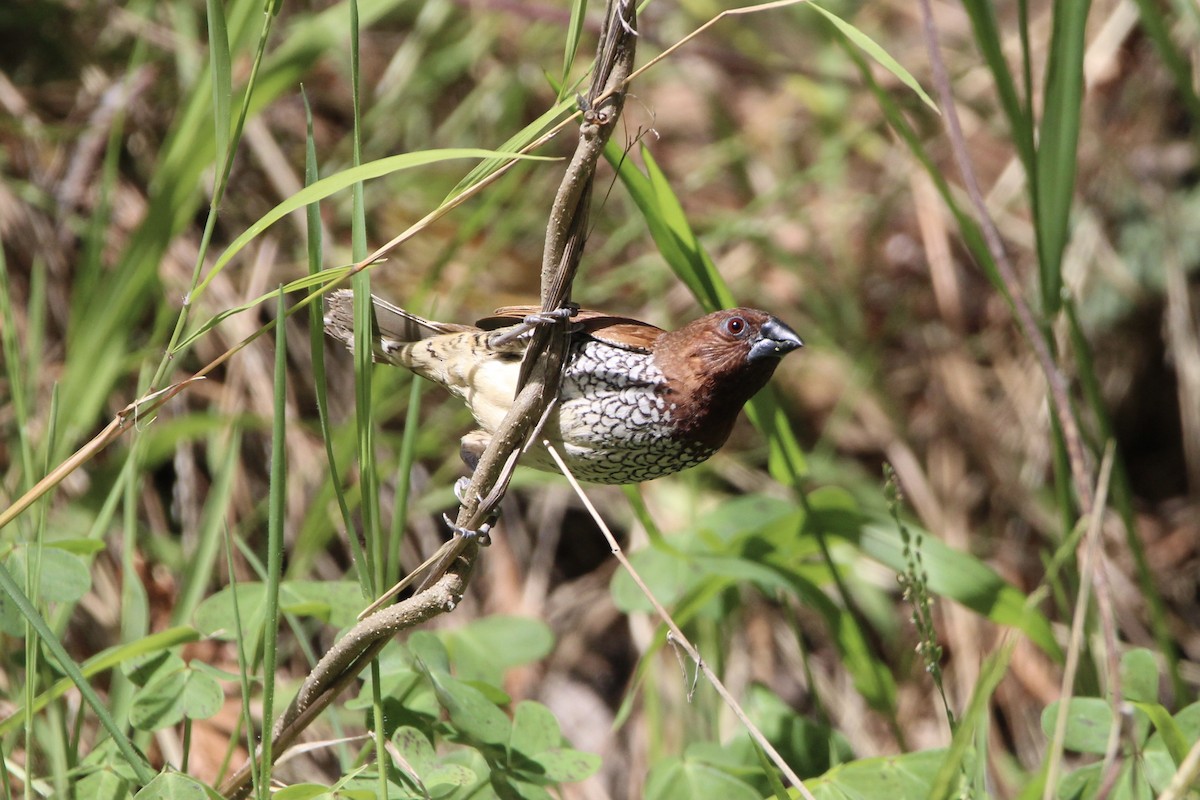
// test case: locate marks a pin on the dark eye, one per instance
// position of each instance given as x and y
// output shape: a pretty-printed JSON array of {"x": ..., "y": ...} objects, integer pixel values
[{"x": 735, "y": 326}]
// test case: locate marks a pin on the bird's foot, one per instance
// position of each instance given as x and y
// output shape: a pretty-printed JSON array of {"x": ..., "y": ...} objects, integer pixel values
[
  {"x": 460, "y": 489},
  {"x": 483, "y": 534},
  {"x": 532, "y": 321}
]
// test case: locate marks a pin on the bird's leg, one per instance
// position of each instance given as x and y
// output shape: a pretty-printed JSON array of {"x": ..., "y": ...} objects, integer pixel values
[
  {"x": 531, "y": 321},
  {"x": 470, "y": 451}
]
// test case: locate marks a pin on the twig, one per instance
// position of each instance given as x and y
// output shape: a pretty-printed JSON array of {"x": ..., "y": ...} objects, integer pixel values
[
  {"x": 1091, "y": 547},
  {"x": 1184, "y": 779},
  {"x": 565, "y": 238},
  {"x": 348, "y": 657},
  {"x": 676, "y": 635},
  {"x": 1060, "y": 395},
  {"x": 541, "y": 376}
]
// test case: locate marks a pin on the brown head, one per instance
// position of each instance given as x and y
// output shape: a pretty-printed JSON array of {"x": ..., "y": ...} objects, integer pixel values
[{"x": 715, "y": 364}]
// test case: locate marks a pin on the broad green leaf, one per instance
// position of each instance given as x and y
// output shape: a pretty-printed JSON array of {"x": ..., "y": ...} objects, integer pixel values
[
  {"x": 415, "y": 748},
  {"x": 1139, "y": 676},
  {"x": 471, "y": 711},
  {"x": 668, "y": 576},
  {"x": 1089, "y": 720},
  {"x": 484, "y": 648},
  {"x": 684, "y": 779},
  {"x": 104, "y": 660},
  {"x": 304, "y": 791},
  {"x": 445, "y": 778},
  {"x": 809, "y": 746},
  {"x": 744, "y": 516},
  {"x": 143, "y": 669},
  {"x": 904, "y": 777},
  {"x": 954, "y": 575},
  {"x": 64, "y": 577},
  {"x": 77, "y": 546},
  {"x": 534, "y": 729},
  {"x": 429, "y": 652},
  {"x": 337, "y": 602},
  {"x": 103, "y": 785},
  {"x": 164, "y": 702},
  {"x": 567, "y": 765},
  {"x": 172, "y": 786}
]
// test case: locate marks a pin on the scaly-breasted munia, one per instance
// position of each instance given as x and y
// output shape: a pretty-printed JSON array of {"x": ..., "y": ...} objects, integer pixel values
[{"x": 636, "y": 402}]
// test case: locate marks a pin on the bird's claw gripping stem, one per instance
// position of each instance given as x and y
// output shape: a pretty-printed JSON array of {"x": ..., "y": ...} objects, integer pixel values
[
  {"x": 532, "y": 321},
  {"x": 483, "y": 534}
]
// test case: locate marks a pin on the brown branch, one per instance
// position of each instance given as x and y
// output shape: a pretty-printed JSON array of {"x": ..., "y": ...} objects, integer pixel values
[
  {"x": 537, "y": 391},
  {"x": 348, "y": 657}
]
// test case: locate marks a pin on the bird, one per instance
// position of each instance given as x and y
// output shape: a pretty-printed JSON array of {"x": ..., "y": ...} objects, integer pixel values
[{"x": 636, "y": 402}]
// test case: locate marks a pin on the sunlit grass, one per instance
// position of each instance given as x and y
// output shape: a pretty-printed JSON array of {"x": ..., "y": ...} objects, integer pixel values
[{"x": 769, "y": 163}]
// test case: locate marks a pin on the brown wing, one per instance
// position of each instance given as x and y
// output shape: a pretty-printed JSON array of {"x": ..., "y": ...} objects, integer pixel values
[{"x": 624, "y": 332}]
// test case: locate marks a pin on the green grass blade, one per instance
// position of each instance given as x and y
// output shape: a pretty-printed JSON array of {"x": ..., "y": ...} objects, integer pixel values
[
  {"x": 363, "y": 346},
  {"x": 881, "y": 56},
  {"x": 316, "y": 331},
  {"x": 669, "y": 228},
  {"x": 258, "y": 771},
  {"x": 514, "y": 144},
  {"x": 968, "y": 228},
  {"x": 310, "y": 281},
  {"x": 18, "y": 387},
  {"x": 1158, "y": 30},
  {"x": 689, "y": 260},
  {"x": 222, "y": 75},
  {"x": 987, "y": 38},
  {"x": 101, "y": 662},
  {"x": 276, "y": 520},
  {"x": 202, "y": 560},
  {"x": 995, "y": 668},
  {"x": 574, "y": 34},
  {"x": 99, "y": 337},
  {"x": 1057, "y": 143},
  {"x": 135, "y": 605},
  {"x": 68, "y": 665},
  {"x": 407, "y": 455},
  {"x": 342, "y": 180}
]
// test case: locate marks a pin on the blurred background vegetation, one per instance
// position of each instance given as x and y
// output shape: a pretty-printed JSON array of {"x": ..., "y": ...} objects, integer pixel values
[{"x": 780, "y": 141}]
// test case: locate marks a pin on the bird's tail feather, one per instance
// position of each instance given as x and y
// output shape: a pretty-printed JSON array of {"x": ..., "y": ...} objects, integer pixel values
[{"x": 391, "y": 322}]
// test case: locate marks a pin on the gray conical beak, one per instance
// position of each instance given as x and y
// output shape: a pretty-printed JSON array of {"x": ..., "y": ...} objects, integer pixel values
[{"x": 775, "y": 340}]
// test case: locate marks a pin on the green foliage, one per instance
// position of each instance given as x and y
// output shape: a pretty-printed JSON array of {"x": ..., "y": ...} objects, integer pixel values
[
  {"x": 335, "y": 602},
  {"x": 905, "y": 777},
  {"x": 805, "y": 549},
  {"x": 176, "y": 691},
  {"x": 174, "y": 786},
  {"x": 1152, "y": 743},
  {"x": 490, "y": 744}
]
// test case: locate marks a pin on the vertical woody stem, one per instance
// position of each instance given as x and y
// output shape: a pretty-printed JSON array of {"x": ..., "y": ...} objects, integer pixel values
[{"x": 541, "y": 374}]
